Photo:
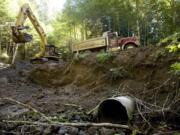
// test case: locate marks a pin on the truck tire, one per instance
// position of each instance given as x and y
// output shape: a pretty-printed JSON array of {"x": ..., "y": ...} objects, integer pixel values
[{"x": 129, "y": 46}]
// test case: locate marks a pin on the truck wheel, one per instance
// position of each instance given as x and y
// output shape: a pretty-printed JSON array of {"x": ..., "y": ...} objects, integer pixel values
[{"x": 129, "y": 46}]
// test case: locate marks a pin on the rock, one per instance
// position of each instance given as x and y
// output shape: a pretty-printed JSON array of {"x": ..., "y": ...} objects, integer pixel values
[
  {"x": 75, "y": 121},
  {"x": 93, "y": 131},
  {"x": 4, "y": 80},
  {"x": 22, "y": 80},
  {"x": 82, "y": 133},
  {"x": 63, "y": 130},
  {"x": 77, "y": 117},
  {"x": 105, "y": 131},
  {"x": 73, "y": 131},
  {"x": 3, "y": 65},
  {"x": 122, "y": 133},
  {"x": 74, "y": 118},
  {"x": 2, "y": 103},
  {"x": 47, "y": 131},
  {"x": 40, "y": 129},
  {"x": 68, "y": 131},
  {"x": 119, "y": 132},
  {"x": 24, "y": 73}
]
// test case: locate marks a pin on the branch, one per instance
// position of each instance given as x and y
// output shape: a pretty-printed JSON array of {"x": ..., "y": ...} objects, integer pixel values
[
  {"x": 108, "y": 125},
  {"x": 164, "y": 83},
  {"x": 93, "y": 110},
  {"x": 142, "y": 115},
  {"x": 27, "y": 106}
]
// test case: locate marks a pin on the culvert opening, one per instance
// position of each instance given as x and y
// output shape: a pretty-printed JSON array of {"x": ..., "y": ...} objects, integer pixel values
[{"x": 112, "y": 111}]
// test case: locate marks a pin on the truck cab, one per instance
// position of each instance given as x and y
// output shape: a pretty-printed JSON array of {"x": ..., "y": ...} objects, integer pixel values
[{"x": 115, "y": 41}]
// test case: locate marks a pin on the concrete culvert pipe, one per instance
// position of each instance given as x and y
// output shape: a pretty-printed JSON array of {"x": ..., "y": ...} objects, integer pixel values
[{"x": 116, "y": 110}]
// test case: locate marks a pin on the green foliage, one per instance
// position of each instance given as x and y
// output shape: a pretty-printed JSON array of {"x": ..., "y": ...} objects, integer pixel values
[
  {"x": 69, "y": 116},
  {"x": 172, "y": 45},
  {"x": 82, "y": 55},
  {"x": 65, "y": 52},
  {"x": 4, "y": 20},
  {"x": 60, "y": 118},
  {"x": 159, "y": 54},
  {"x": 176, "y": 133},
  {"x": 135, "y": 132},
  {"x": 173, "y": 39},
  {"x": 3, "y": 11},
  {"x": 5, "y": 36},
  {"x": 120, "y": 133},
  {"x": 104, "y": 57},
  {"x": 173, "y": 48},
  {"x": 118, "y": 73},
  {"x": 175, "y": 68},
  {"x": 5, "y": 32}
]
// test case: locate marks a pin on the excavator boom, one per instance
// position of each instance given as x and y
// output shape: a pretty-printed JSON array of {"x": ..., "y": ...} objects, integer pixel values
[{"x": 21, "y": 37}]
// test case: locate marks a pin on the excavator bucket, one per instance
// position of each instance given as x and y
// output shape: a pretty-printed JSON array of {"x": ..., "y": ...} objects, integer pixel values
[
  {"x": 20, "y": 37},
  {"x": 27, "y": 37}
]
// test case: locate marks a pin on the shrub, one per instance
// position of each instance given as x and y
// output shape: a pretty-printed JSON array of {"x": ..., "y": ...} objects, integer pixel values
[
  {"x": 118, "y": 73},
  {"x": 82, "y": 55},
  {"x": 103, "y": 57},
  {"x": 173, "y": 48},
  {"x": 65, "y": 52},
  {"x": 175, "y": 68},
  {"x": 159, "y": 54},
  {"x": 173, "y": 39}
]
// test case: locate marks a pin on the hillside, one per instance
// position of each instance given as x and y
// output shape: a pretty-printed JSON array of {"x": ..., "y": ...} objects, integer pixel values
[{"x": 70, "y": 89}]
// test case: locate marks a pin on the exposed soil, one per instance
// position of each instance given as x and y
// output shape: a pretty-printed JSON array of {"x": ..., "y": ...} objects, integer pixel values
[{"x": 66, "y": 89}]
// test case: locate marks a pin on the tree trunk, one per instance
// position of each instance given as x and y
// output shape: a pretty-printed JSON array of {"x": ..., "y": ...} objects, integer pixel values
[
  {"x": 138, "y": 29},
  {"x": 74, "y": 31},
  {"x": 128, "y": 29},
  {"x": 137, "y": 20},
  {"x": 85, "y": 31},
  {"x": 0, "y": 48},
  {"x": 173, "y": 14}
]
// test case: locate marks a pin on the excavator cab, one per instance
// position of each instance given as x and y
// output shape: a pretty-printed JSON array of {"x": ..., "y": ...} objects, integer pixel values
[
  {"x": 51, "y": 54},
  {"x": 50, "y": 50}
]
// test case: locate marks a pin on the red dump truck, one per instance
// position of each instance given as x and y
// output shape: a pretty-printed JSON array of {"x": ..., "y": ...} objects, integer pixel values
[{"x": 109, "y": 40}]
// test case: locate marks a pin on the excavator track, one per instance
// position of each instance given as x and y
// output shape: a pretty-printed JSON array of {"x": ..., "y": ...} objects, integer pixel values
[{"x": 44, "y": 60}]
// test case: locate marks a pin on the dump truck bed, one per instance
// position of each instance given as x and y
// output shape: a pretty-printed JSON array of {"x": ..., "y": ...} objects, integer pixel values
[{"x": 90, "y": 44}]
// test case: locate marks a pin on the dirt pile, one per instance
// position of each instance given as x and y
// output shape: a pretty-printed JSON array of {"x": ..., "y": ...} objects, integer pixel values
[{"x": 140, "y": 72}]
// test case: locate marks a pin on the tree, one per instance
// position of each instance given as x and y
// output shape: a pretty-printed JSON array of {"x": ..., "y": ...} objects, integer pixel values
[{"x": 3, "y": 11}]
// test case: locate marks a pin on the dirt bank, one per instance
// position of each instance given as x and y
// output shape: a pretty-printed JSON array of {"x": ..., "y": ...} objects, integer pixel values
[{"x": 59, "y": 89}]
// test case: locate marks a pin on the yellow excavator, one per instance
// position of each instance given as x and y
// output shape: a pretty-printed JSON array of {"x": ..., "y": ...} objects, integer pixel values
[{"x": 47, "y": 52}]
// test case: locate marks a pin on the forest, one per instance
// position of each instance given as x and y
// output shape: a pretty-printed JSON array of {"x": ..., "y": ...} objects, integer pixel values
[
  {"x": 150, "y": 20},
  {"x": 90, "y": 67}
]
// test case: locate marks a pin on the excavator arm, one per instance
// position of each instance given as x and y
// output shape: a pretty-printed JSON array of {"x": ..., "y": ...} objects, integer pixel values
[{"x": 22, "y": 37}]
